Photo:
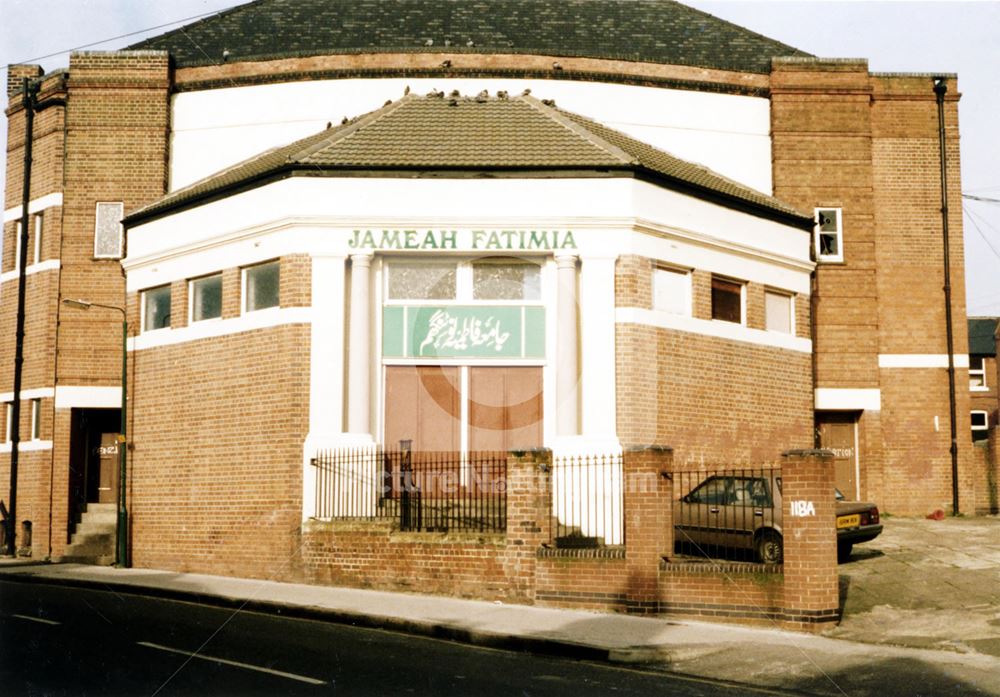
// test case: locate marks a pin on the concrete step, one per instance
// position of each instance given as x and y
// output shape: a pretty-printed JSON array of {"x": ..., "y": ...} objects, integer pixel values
[
  {"x": 92, "y": 559},
  {"x": 93, "y": 530},
  {"x": 102, "y": 537},
  {"x": 100, "y": 516}
]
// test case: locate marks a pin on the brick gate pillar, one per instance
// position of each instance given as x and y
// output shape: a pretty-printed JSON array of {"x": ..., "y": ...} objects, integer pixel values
[
  {"x": 811, "y": 597},
  {"x": 529, "y": 517},
  {"x": 649, "y": 532}
]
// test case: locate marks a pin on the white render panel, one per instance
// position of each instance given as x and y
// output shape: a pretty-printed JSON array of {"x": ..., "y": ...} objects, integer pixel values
[
  {"x": 213, "y": 129},
  {"x": 34, "y": 206},
  {"x": 607, "y": 217},
  {"x": 920, "y": 360},
  {"x": 69, "y": 396},
  {"x": 848, "y": 399},
  {"x": 597, "y": 347},
  {"x": 713, "y": 328}
]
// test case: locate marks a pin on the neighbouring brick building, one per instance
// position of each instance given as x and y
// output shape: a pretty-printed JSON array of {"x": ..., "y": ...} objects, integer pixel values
[
  {"x": 349, "y": 224},
  {"x": 984, "y": 403}
]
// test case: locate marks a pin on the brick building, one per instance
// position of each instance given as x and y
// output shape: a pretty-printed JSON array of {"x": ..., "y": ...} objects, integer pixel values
[{"x": 344, "y": 231}]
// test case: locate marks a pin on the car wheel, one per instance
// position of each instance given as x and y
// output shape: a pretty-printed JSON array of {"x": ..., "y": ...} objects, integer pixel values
[
  {"x": 844, "y": 552},
  {"x": 769, "y": 547}
]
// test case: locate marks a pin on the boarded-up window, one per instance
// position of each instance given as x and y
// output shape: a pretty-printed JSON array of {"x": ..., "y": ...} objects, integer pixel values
[
  {"x": 423, "y": 405},
  {"x": 778, "y": 312},
  {"x": 108, "y": 234},
  {"x": 672, "y": 291},
  {"x": 727, "y": 300},
  {"x": 505, "y": 408}
]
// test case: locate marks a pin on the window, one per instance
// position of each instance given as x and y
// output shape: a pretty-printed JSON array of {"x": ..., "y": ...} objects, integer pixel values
[
  {"x": 156, "y": 308},
  {"x": 506, "y": 279},
  {"x": 416, "y": 281},
  {"x": 36, "y": 419},
  {"x": 108, "y": 235},
  {"x": 829, "y": 236},
  {"x": 727, "y": 300},
  {"x": 9, "y": 411},
  {"x": 977, "y": 373},
  {"x": 778, "y": 312},
  {"x": 206, "y": 298},
  {"x": 672, "y": 291},
  {"x": 261, "y": 286},
  {"x": 17, "y": 246},
  {"x": 980, "y": 425},
  {"x": 37, "y": 255}
]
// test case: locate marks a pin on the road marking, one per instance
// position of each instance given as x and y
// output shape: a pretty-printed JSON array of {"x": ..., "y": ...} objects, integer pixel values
[
  {"x": 36, "y": 619},
  {"x": 237, "y": 664}
]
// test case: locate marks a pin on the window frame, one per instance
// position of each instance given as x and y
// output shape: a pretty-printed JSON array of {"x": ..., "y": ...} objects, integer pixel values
[
  {"x": 465, "y": 292},
  {"x": 743, "y": 299},
  {"x": 191, "y": 295},
  {"x": 17, "y": 245},
  {"x": 244, "y": 281},
  {"x": 36, "y": 418},
  {"x": 36, "y": 252},
  {"x": 986, "y": 422},
  {"x": 981, "y": 372},
  {"x": 678, "y": 271},
  {"x": 143, "y": 328},
  {"x": 838, "y": 233},
  {"x": 791, "y": 310},
  {"x": 121, "y": 229}
]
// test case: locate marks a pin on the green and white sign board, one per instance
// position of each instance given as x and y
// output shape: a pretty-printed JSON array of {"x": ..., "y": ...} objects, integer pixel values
[{"x": 463, "y": 331}]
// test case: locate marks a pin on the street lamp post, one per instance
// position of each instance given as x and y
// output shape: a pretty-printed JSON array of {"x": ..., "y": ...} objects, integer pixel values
[{"x": 121, "y": 529}]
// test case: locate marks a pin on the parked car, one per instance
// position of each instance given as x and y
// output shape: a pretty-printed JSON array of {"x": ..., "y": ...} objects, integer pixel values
[{"x": 743, "y": 512}]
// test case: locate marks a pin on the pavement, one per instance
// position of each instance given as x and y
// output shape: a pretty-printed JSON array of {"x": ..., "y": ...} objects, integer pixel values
[{"x": 921, "y": 609}]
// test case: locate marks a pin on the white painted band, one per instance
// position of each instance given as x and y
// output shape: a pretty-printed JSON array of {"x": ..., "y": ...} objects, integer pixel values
[
  {"x": 39, "y": 204},
  {"x": 713, "y": 328},
  {"x": 36, "y": 393},
  {"x": 47, "y": 265},
  {"x": 842, "y": 399},
  {"x": 920, "y": 360},
  {"x": 27, "y": 445},
  {"x": 209, "y": 329}
]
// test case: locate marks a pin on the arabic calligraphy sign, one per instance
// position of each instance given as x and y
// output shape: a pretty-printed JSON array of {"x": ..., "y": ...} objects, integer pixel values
[{"x": 463, "y": 331}]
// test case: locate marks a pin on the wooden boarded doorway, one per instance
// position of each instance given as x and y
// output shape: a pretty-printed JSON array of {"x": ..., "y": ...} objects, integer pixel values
[{"x": 838, "y": 432}]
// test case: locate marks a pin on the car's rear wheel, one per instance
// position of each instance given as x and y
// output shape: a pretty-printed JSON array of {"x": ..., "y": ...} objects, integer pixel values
[
  {"x": 770, "y": 547},
  {"x": 844, "y": 551}
]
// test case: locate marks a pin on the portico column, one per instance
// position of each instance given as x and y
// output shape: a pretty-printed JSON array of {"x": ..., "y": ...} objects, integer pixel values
[
  {"x": 566, "y": 348},
  {"x": 359, "y": 368}
]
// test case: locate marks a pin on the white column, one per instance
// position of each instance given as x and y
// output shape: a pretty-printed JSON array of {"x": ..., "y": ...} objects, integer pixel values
[
  {"x": 359, "y": 360},
  {"x": 566, "y": 347},
  {"x": 597, "y": 337},
  {"x": 326, "y": 369}
]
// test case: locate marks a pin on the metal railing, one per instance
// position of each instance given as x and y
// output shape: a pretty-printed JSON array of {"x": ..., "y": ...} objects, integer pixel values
[
  {"x": 587, "y": 501},
  {"x": 423, "y": 491},
  {"x": 729, "y": 514}
]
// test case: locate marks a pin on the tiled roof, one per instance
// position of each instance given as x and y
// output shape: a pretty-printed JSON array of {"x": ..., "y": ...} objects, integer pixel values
[
  {"x": 657, "y": 31},
  {"x": 441, "y": 132},
  {"x": 983, "y": 335}
]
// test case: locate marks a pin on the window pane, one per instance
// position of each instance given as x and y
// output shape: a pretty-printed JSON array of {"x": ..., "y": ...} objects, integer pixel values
[
  {"x": 408, "y": 281},
  {"x": 828, "y": 220},
  {"x": 262, "y": 286},
  {"x": 39, "y": 237},
  {"x": 778, "y": 312},
  {"x": 206, "y": 298},
  {"x": 506, "y": 281},
  {"x": 36, "y": 419},
  {"x": 726, "y": 301},
  {"x": 671, "y": 291},
  {"x": 828, "y": 245},
  {"x": 156, "y": 314},
  {"x": 977, "y": 372}
]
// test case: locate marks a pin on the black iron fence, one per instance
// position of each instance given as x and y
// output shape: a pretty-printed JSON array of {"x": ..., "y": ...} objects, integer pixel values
[
  {"x": 423, "y": 491},
  {"x": 587, "y": 501},
  {"x": 728, "y": 514}
]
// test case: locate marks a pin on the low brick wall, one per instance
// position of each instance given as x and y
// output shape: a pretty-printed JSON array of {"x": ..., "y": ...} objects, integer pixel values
[{"x": 521, "y": 566}]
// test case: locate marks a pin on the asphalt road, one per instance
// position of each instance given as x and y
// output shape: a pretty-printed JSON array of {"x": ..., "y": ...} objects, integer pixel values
[{"x": 70, "y": 641}]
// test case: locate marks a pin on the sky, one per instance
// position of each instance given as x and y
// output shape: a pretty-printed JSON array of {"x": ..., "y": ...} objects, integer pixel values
[{"x": 904, "y": 36}]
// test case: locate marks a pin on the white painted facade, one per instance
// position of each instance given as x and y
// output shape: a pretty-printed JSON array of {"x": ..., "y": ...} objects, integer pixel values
[{"x": 213, "y": 129}]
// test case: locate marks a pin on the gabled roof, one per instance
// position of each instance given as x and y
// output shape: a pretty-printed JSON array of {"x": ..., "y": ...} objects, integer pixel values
[
  {"x": 983, "y": 336},
  {"x": 516, "y": 136},
  {"x": 657, "y": 31}
]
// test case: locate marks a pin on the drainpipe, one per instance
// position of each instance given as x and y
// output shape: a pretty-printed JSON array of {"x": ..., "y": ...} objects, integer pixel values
[
  {"x": 940, "y": 88},
  {"x": 22, "y": 261}
]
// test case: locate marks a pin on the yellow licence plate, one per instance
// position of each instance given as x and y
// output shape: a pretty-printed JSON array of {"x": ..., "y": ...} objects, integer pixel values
[{"x": 849, "y": 521}]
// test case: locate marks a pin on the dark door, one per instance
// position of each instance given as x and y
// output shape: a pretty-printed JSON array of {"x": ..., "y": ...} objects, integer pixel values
[{"x": 837, "y": 433}]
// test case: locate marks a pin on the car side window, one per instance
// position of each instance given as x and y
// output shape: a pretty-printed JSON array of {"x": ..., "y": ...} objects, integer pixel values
[{"x": 717, "y": 490}]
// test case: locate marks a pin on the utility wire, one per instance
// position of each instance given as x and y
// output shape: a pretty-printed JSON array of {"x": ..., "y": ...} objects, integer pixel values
[
  {"x": 985, "y": 199},
  {"x": 972, "y": 219},
  {"x": 115, "y": 38}
]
